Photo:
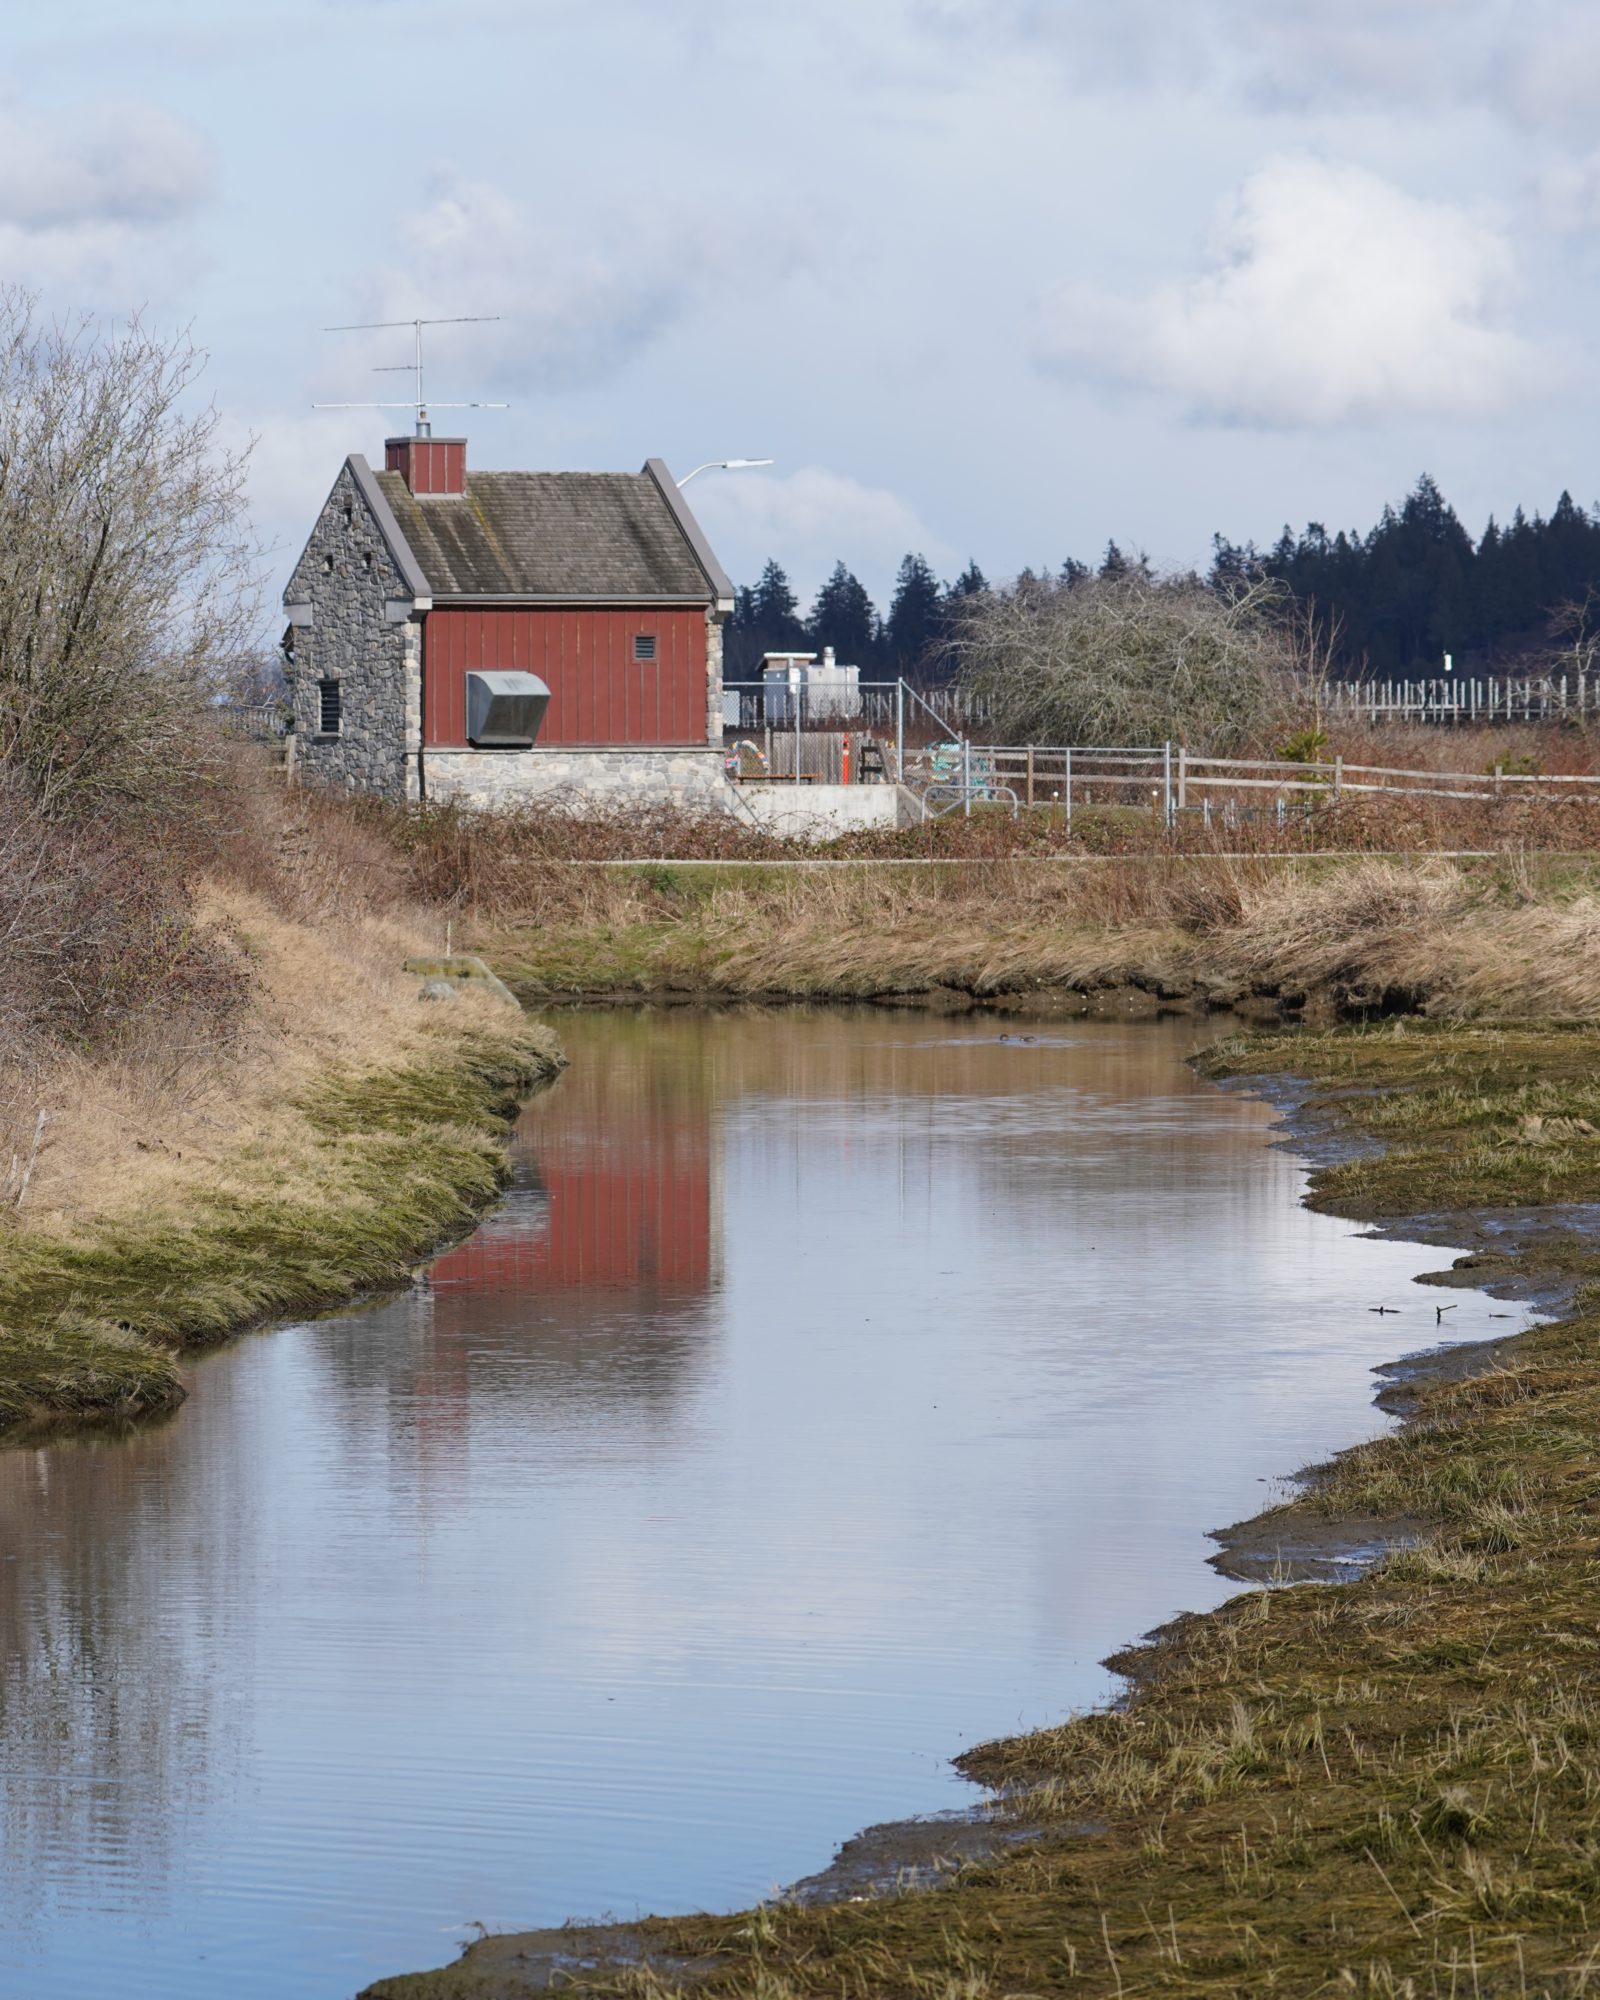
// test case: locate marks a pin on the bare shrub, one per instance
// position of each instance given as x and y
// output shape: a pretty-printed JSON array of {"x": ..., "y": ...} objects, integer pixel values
[
  {"x": 97, "y": 931},
  {"x": 1131, "y": 660},
  {"x": 127, "y": 567}
]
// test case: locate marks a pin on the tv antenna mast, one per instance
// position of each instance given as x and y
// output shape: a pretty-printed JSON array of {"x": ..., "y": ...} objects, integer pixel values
[{"x": 419, "y": 403}]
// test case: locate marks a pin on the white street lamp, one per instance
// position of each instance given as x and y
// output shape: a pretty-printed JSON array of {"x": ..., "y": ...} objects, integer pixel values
[{"x": 724, "y": 465}]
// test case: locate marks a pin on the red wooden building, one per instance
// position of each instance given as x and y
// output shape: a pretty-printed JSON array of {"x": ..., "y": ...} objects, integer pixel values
[{"x": 421, "y": 580}]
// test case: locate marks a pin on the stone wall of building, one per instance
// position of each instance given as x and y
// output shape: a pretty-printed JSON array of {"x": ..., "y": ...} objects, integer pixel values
[
  {"x": 691, "y": 780},
  {"x": 349, "y": 581},
  {"x": 714, "y": 629}
]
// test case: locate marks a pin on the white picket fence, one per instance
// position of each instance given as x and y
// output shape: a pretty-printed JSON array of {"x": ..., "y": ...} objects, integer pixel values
[{"x": 1468, "y": 698}]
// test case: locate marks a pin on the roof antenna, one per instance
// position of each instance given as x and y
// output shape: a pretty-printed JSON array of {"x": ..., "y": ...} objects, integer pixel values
[{"x": 418, "y": 404}]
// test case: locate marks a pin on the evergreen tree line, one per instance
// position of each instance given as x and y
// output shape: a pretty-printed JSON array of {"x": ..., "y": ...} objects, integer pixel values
[{"x": 1394, "y": 600}]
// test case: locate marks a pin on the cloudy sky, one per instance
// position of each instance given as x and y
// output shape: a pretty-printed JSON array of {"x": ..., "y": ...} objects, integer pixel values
[{"x": 991, "y": 278}]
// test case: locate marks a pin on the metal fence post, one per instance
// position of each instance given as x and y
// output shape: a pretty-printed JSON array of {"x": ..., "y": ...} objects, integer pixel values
[
  {"x": 1183, "y": 777},
  {"x": 900, "y": 732},
  {"x": 966, "y": 775},
  {"x": 1069, "y": 790},
  {"x": 796, "y": 693},
  {"x": 1166, "y": 784}
]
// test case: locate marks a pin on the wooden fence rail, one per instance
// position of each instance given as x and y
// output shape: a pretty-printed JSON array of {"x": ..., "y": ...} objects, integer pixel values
[{"x": 1037, "y": 774}]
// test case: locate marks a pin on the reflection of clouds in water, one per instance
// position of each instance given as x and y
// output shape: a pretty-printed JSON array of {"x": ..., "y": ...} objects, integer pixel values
[{"x": 116, "y": 1735}]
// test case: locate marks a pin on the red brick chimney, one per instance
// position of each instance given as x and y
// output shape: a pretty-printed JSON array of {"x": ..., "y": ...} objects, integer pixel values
[{"x": 430, "y": 466}]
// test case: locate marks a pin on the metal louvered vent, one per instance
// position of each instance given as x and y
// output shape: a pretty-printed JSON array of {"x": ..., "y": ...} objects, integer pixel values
[
  {"x": 330, "y": 708},
  {"x": 504, "y": 710}
]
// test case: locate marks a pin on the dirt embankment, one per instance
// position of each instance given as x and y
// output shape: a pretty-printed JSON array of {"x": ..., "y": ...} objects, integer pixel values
[
  {"x": 261, "y": 1117},
  {"x": 1384, "y": 1785}
]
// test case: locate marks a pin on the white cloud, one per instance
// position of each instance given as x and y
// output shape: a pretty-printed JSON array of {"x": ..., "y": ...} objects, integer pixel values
[
  {"x": 1331, "y": 297},
  {"x": 576, "y": 306},
  {"x": 811, "y": 518},
  {"x": 1535, "y": 65},
  {"x": 1567, "y": 193},
  {"x": 99, "y": 165},
  {"x": 95, "y": 202},
  {"x": 104, "y": 268}
]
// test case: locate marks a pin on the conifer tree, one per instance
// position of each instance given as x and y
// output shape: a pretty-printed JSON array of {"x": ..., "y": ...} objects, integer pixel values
[
  {"x": 845, "y": 618},
  {"x": 913, "y": 629},
  {"x": 766, "y": 619}
]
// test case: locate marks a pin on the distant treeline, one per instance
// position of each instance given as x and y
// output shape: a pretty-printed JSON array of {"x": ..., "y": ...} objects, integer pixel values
[{"x": 1393, "y": 600}]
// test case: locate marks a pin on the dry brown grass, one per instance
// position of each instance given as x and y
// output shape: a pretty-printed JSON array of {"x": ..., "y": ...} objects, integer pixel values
[
  {"x": 306, "y": 917},
  {"x": 1491, "y": 940},
  {"x": 207, "y": 1165},
  {"x": 1554, "y": 748},
  {"x": 173, "y": 1110}
]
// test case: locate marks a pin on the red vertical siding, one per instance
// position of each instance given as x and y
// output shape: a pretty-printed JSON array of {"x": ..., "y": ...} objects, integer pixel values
[{"x": 599, "y": 693}]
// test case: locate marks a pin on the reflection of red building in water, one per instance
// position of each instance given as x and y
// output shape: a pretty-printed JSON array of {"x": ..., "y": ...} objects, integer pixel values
[
  {"x": 587, "y": 1287},
  {"x": 617, "y": 1198}
]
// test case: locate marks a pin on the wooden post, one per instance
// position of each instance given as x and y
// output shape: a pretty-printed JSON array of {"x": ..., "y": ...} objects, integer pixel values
[
  {"x": 1497, "y": 781},
  {"x": 1338, "y": 777}
]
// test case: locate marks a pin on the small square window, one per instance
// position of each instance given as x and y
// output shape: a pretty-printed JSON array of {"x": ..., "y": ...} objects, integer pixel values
[
  {"x": 349, "y": 515},
  {"x": 327, "y": 563},
  {"x": 644, "y": 645},
  {"x": 366, "y": 561},
  {"x": 330, "y": 708}
]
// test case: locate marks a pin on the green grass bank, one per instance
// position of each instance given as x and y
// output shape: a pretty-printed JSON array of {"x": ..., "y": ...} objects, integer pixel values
[
  {"x": 361, "y": 1173},
  {"x": 1388, "y": 1786}
]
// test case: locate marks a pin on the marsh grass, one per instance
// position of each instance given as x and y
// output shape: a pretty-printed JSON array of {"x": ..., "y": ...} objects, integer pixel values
[
  {"x": 364, "y": 1175},
  {"x": 1385, "y": 1787},
  {"x": 1492, "y": 940}
]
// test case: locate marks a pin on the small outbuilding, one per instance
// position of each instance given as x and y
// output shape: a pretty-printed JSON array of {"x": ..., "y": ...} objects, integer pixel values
[{"x": 492, "y": 636}]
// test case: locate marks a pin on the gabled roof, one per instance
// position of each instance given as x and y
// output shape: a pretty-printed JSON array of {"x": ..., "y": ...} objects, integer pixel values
[{"x": 604, "y": 536}]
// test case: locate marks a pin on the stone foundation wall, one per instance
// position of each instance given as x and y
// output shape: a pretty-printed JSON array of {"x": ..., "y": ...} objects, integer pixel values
[{"x": 690, "y": 778}]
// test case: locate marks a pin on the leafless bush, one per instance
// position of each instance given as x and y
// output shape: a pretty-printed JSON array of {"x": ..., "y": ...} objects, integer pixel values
[
  {"x": 127, "y": 568},
  {"x": 1132, "y": 659},
  {"x": 97, "y": 933}
]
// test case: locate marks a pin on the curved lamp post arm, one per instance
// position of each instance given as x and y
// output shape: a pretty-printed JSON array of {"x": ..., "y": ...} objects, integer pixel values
[{"x": 723, "y": 465}]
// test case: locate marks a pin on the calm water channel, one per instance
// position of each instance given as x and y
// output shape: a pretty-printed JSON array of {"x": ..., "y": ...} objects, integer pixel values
[{"x": 831, "y": 1392}]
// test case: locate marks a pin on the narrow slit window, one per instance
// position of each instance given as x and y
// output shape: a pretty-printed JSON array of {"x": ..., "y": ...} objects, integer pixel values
[
  {"x": 644, "y": 645},
  {"x": 330, "y": 708}
]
